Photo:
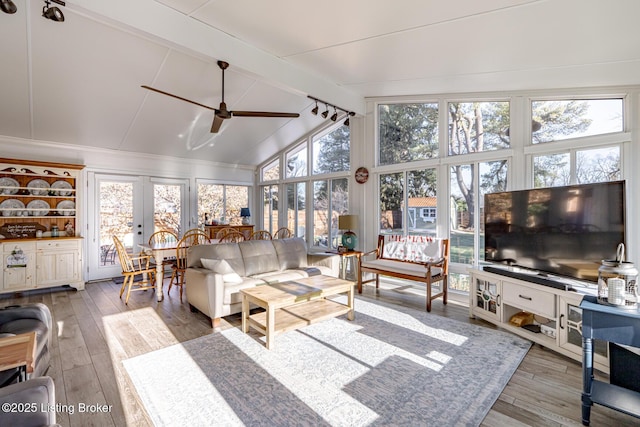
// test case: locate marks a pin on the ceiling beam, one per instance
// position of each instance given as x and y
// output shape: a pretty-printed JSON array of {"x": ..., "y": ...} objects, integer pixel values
[{"x": 152, "y": 19}]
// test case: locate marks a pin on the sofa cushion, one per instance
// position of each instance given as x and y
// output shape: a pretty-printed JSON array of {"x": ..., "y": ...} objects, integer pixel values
[
  {"x": 259, "y": 256},
  {"x": 221, "y": 266},
  {"x": 232, "y": 293},
  {"x": 23, "y": 326},
  {"x": 281, "y": 276},
  {"x": 227, "y": 251},
  {"x": 292, "y": 253}
]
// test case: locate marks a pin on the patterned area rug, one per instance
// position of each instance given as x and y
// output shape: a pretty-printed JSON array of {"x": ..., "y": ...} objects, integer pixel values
[{"x": 391, "y": 366}]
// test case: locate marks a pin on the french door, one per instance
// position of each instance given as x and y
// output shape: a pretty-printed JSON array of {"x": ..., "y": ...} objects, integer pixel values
[{"x": 130, "y": 208}]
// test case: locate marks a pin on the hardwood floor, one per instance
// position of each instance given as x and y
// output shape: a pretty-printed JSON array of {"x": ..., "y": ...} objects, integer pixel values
[{"x": 95, "y": 331}]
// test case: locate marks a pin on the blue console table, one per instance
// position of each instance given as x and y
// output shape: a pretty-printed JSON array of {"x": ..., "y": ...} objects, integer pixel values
[{"x": 613, "y": 325}]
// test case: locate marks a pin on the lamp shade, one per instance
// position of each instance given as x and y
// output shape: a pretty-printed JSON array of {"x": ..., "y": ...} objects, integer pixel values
[
  {"x": 245, "y": 212},
  {"x": 347, "y": 222}
]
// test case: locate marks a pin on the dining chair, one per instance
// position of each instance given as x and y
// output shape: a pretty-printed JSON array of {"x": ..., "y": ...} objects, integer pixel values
[
  {"x": 164, "y": 236},
  {"x": 234, "y": 236},
  {"x": 260, "y": 235},
  {"x": 133, "y": 267},
  {"x": 191, "y": 238},
  {"x": 222, "y": 232},
  {"x": 282, "y": 233}
]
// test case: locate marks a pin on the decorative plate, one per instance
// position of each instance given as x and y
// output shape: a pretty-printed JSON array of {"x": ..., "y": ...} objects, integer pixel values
[
  {"x": 10, "y": 184},
  {"x": 12, "y": 207},
  {"x": 38, "y": 207},
  {"x": 38, "y": 187},
  {"x": 63, "y": 188},
  {"x": 66, "y": 208},
  {"x": 361, "y": 175}
]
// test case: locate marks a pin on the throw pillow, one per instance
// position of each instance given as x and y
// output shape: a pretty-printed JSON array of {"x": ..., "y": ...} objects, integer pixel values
[{"x": 221, "y": 266}]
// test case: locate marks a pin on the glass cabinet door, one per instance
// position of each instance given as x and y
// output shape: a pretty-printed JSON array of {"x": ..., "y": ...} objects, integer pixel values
[
  {"x": 571, "y": 332},
  {"x": 487, "y": 298}
]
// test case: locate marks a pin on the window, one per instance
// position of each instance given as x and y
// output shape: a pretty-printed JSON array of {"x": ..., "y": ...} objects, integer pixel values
[
  {"x": 407, "y": 132},
  {"x": 167, "y": 208},
  {"x": 591, "y": 165},
  {"x": 330, "y": 200},
  {"x": 421, "y": 202},
  {"x": 466, "y": 206},
  {"x": 565, "y": 119},
  {"x": 296, "y": 208},
  {"x": 222, "y": 202},
  {"x": 271, "y": 172},
  {"x": 478, "y": 126},
  {"x": 296, "y": 161},
  {"x": 331, "y": 151},
  {"x": 270, "y": 208}
]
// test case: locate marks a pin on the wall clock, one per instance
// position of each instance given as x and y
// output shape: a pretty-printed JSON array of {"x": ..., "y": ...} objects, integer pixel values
[{"x": 362, "y": 175}]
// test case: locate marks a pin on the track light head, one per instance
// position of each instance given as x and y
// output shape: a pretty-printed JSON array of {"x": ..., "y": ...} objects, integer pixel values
[
  {"x": 334, "y": 116},
  {"x": 325, "y": 113},
  {"x": 53, "y": 13},
  {"x": 315, "y": 109},
  {"x": 8, "y": 6},
  {"x": 346, "y": 122}
]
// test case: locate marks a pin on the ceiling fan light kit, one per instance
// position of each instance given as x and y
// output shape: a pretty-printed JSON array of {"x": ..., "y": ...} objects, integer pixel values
[
  {"x": 325, "y": 113},
  {"x": 222, "y": 113}
]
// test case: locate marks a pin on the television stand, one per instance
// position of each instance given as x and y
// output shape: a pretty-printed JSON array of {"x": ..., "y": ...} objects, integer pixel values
[{"x": 498, "y": 293}]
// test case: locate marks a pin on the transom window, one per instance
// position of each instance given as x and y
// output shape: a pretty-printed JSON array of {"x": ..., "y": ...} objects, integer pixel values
[
  {"x": 407, "y": 132},
  {"x": 557, "y": 120},
  {"x": 478, "y": 126}
]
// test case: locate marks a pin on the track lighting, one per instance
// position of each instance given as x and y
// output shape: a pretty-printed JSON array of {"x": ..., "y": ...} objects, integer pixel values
[
  {"x": 53, "y": 13},
  {"x": 325, "y": 113},
  {"x": 8, "y": 6}
]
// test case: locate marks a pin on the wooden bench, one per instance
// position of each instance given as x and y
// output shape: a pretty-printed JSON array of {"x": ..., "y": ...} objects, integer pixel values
[{"x": 418, "y": 258}]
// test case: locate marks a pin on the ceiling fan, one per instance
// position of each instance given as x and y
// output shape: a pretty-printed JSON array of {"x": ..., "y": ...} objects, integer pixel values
[{"x": 221, "y": 113}]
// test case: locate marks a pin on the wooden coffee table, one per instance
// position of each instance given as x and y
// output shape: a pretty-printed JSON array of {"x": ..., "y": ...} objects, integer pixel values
[
  {"x": 293, "y": 304},
  {"x": 18, "y": 351}
]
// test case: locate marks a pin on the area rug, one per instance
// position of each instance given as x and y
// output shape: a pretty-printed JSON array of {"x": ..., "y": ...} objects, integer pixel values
[{"x": 390, "y": 366}]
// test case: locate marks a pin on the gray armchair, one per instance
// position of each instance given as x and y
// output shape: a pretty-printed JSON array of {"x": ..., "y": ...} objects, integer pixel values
[
  {"x": 38, "y": 394},
  {"x": 19, "y": 319}
]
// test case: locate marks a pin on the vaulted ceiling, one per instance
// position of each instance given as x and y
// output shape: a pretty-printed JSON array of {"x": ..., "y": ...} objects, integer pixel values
[{"x": 78, "y": 81}]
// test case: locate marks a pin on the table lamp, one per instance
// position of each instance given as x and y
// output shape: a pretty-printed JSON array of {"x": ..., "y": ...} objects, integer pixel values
[
  {"x": 349, "y": 238},
  {"x": 245, "y": 214}
]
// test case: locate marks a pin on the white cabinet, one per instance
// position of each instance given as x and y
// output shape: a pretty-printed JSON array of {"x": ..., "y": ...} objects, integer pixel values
[
  {"x": 58, "y": 263},
  {"x": 18, "y": 265},
  {"x": 496, "y": 298},
  {"x": 35, "y": 264}
]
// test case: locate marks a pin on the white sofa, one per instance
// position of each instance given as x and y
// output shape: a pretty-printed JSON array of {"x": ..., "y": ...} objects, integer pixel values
[{"x": 215, "y": 291}]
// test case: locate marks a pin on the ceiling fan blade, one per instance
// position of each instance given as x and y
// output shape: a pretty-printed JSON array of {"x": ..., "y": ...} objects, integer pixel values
[
  {"x": 263, "y": 114},
  {"x": 217, "y": 122},
  {"x": 178, "y": 97}
]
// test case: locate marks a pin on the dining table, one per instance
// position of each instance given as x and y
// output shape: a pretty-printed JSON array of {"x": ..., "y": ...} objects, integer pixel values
[{"x": 161, "y": 251}]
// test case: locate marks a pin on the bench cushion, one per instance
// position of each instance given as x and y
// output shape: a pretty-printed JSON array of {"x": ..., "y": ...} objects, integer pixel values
[{"x": 400, "y": 267}]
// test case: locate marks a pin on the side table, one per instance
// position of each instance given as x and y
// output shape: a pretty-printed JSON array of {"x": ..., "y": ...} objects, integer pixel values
[
  {"x": 614, "y": 325},
  {"x": 18, "y": 351},
  {"x": 354, "y": 256}
]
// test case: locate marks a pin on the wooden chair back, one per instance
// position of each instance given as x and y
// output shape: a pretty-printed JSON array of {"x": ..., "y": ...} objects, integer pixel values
[
  {"x": 283, "y": 233},
  {"x": 234, "y": 236},
  {"x": 133, "y": 266},
  {"x": 163, "y": 236},
  {"x": 260, "y": 235},
  {"x": 223, "y": 232}
]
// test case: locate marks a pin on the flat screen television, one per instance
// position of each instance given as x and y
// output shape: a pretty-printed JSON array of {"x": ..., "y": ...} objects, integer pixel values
[{"x": 565, "y": 231}]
